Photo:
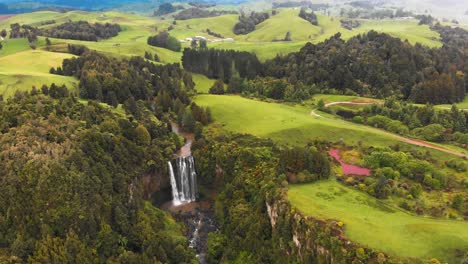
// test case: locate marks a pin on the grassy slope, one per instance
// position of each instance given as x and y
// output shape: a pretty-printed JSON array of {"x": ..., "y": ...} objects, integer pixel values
[
  {"x": 290, "y": 124},
  {"x": 404, "y": 29},
  {"x": 373, "y": 223},
  {"x": 295, "y": 124},
  {"x": 330, "y": 98},
  {"x": 130, "y": 42},
  {"x": 16, "y": 74},
  {"x": 460, "y": 105},
  {"x": 202, "y": 83},
  {"x": 259, "y": 41}
]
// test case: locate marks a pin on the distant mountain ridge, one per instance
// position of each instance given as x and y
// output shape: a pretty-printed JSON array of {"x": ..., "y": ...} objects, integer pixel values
[{"x": 22, "y": 6}]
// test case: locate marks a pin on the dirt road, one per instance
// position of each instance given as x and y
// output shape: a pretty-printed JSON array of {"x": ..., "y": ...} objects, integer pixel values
[{"x": 415, "y": 142}]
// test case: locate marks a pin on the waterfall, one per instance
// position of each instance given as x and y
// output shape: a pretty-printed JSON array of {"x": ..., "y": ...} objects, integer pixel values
[
  {"x": 183, "y": 180},
  {"x": 175, "y": 193}
]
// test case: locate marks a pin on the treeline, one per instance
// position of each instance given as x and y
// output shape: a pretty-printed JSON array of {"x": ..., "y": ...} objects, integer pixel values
[
  {"x": 214, "y": 34},
  {"x": 424, "y": 122},
  {"x": 307, "y": 164},
  {"x": 167, "y": 8},
  {"x": 82, "y": 30},
  {"x": 268, "y": 87},
  {"x": 78, "y": 193},
  {"x": 164, "y": 40},
  {"x": 75, "y": 49},
  {"x": 21, "y": 31},
  {"x": 114, "y": 81},
  {"x": 378, "y": 65},
  {"x": 200, "y": 13},
  {"x": 311, "y": 17},
  {"x": 247, "y": 23},
  {"x": 222, "y": 64}
]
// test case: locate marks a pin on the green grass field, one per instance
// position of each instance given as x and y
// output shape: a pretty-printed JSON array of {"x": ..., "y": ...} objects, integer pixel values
[
  {"x": 130, "y": 42},
  {"x": 403, "y": 29},
  {"x": 295, "y": 125},
  {"x": 202, "y": 83},
  {"x": 461, "y": 105},
  {"x": 331, "y": 98},
  {"x": 22, "y": 70},
  {"x": 136, "y": 29},
  {"x": 289, "y": 124},
  {"x": 373, "y": 223}
]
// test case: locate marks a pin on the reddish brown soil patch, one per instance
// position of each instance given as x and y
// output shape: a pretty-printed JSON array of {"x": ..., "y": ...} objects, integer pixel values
[{"x": 349, "y": 169}]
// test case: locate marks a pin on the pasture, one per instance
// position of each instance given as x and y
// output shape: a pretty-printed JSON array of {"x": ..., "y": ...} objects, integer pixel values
[
  {"x": 376, "y": 224},
  {"x": 285, "y": 123},
  {"x": 22, "y": 70}
]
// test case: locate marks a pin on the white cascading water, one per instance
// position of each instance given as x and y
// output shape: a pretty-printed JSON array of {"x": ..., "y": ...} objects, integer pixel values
[
  {"x": 175, "y": 193},
  {"x": 183, "y": 180}
]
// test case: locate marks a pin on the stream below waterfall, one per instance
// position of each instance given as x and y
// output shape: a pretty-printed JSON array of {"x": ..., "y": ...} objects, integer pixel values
[{"x": 196, "y": 214}]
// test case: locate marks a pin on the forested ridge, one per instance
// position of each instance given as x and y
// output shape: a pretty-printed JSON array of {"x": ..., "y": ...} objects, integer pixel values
[
  {"x": 372, "y": 64},
  {"x": 379, "y": 65},
  {"x": 72, "y": 183},
  {"x": 113, "y": 81},
  {"x": 82, "y": 30}
]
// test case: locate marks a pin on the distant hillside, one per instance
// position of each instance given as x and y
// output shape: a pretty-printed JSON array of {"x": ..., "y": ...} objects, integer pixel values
[{"x": 22, "y": 6}]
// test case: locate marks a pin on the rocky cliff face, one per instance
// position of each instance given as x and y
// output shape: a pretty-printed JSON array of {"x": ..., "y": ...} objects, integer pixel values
[
  {"x": 156, "y": 187},
  {"x": 315, "y": 241}
]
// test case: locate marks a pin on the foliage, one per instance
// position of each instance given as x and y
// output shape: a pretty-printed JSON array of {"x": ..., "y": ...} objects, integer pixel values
[
  {"x": 247, "y": 24},
  {"x": 311, "y": 17},
  {"x": 425, "y": 122},
  {"x": 221, "y": 64},
  {"x": 378, "y": 65},
  {"x": 77, "y": 194},
  {"x": 217, "y": 88},
  {"x": 164, "y": 40},
  {"x": 82, "y": 30},
  {"x": 247, "y": 171},
  {"x": 166, "y": 8},
  {"x": 111, "y": 80}
]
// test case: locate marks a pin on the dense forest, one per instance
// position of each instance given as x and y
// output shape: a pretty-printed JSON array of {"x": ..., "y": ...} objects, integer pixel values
[
  {"x": 73, "y": 187},
  {"x": 247, "y": 23},
  {"x": 113, "y": 81},
  {"x": 222, "y": 64},
  {"x": 163, "y": 87},
  {"x": 378, "y": 65},
  {"x": 164, "y": 40},
  {"x": 372, "y": 64},
  {"x": 257, "y": 223},
  {"x": 82, "y": 30}
]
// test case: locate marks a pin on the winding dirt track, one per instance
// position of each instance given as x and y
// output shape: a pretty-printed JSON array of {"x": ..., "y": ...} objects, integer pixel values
[{"x": 415, "y": 142}]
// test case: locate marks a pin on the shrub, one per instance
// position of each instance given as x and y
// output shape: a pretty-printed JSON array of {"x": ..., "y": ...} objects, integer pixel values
[
  {"x": 432, "y": 132},
  {"x": 358, "y": 119},
  {"x": 217, "y": 88},
  {"x": 379, "y": 121}
]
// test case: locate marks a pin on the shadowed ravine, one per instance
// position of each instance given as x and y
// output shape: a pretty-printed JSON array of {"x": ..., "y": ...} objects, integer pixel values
[{"x": 186, "y": 206}]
